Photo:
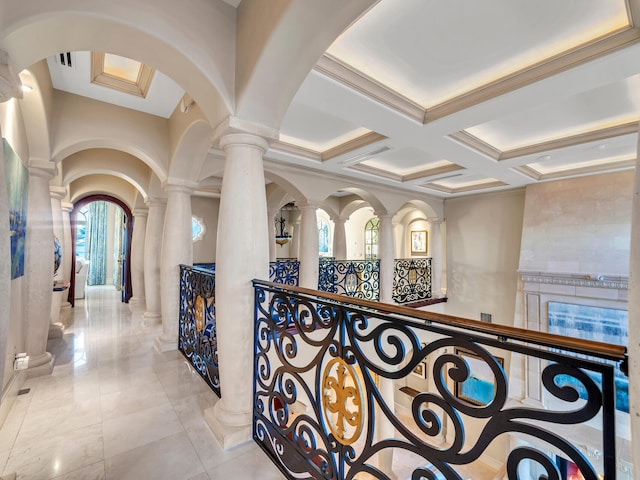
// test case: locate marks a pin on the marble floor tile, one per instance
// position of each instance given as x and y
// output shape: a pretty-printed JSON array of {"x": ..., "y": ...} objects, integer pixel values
[
  {"x": 57, "y": 454},
  {"x": 171, "y": 458},
  {"x": 252, "y": 465},
  {"x": 137, "y": 429},
  {"x": 92, "y": 472},
  {"x": 4, "y": 456},
  {"x": 190, "y": 409},
  {"x": 125, "y": 402}
]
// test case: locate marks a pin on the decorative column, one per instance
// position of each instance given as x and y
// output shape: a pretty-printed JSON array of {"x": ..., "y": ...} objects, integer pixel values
[
  {"x": 339, "y": 239},
  {"x": 386, "y": 256},
  {"x": 294, "y": 248},
  {"x": 242, "y": 255},
  {"x": 137, "y": 300},
  {"x": 67, "y": 251},
  {"x": 435, "y": 252},
  {"x": 38, "y": 265},
  {"x": 56, "y": 328},
  {"x": 271, "y": 226},
  {"x": 634, "y": 321},
  {"x": 309, "y": 247},
  {"x": 177, "y": 248},
  {"x": 152, "y": 245},
  {"x": 384, "y": 429}
]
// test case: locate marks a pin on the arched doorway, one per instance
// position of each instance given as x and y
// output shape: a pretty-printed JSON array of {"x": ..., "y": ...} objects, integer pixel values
[{"x": 127, "y": 235}]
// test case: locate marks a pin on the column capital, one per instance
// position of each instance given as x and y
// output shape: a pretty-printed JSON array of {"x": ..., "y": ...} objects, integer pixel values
[
  {"x": 435, "y": 220},
  {"x": 382, "y": 215},
  {"x": 156, "y": 202},
  {"x": 66, "y": 206},
  {"x": 43, "y": 169},
  {"x": 140, "y": 212},
  {"x": 244, "y": 139},
  {"x": 310, "y": 204},
  {"x": 57, "y": 192},
  {"x": 10, "y": 86},
  {"x": 179, "y": 185},
  {"x": 234, "y": 125}
]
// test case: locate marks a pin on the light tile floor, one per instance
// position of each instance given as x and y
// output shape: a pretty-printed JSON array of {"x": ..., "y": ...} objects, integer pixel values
[{"x": 114, "y": 409}]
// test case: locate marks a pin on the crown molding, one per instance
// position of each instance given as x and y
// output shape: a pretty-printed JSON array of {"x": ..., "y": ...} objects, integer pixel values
[
  {"x": 617, "y": 282},
  {"x": 353, "y": 78},
  {"x": 598, "y": 135},
  {"x": 467, "y": 188},
  {"x": 532, "y": 173}
]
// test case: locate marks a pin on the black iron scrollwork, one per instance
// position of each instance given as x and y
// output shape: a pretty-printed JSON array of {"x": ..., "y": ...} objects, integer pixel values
[
  {"x": 354, "y": 278},
  {"x": 412, "y": 280},
  {"x": 197, "y": 338},
  {"x": 298, "y": 339}
]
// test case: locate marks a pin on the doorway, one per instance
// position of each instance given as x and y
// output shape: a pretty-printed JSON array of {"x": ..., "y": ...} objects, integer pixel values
[{"x": 101, "y": 232}]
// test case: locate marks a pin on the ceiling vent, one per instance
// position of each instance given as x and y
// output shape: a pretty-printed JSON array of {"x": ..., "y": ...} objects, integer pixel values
[
  {"x": 65, "y": 59},
  {"x": 364, "y": 156}
]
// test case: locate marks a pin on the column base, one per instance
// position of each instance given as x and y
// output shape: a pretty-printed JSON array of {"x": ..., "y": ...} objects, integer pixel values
[
  {"x": 151, "y": 318},
  {"x": 40, "y": 365},
  {"x": 56, "y": 330},
  {"x": 137, "y": 304},
  {"x": 228, "y": 435},
  {"x": 165, "y": 343}
]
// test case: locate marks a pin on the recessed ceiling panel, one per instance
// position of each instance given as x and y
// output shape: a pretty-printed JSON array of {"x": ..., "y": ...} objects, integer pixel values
[
  {"x": 433, "y": 50},
  {"x": 405, "y": 161},
  {"x": 161, "y": 99},
  {"x": 613, "y": 104},
  {"x": 307, "y": 127}
]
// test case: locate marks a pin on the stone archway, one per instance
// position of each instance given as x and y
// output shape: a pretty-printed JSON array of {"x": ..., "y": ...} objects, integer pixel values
[{"x": 126, "y": 290}]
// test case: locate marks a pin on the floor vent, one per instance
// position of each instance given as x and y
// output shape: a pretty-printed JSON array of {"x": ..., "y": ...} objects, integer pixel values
[{"x": 24, "y": 391}]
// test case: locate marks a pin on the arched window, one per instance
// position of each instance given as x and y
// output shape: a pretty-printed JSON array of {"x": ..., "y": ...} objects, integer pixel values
[
  {"x": 371, "y": 239},
  {"x": 323, "y": 237}
]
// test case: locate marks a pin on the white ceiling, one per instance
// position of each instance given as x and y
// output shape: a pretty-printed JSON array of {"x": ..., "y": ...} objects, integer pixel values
[
  {"x": 161, "y": 99},
  {"x": 458, "y": 96}
]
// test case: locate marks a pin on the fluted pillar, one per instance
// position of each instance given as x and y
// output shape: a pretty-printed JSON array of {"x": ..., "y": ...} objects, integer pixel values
[
  {"x": 386, "y": 255},
  {"x": 242, "y": 255},
  {"x": 38, "y": 265},
  {"x": 435, "y": 252},
  {"x": 57, "y": 194},
  {"x": 309, "y": 247},
  {"x": 271, "y": 226},
  {"x": 339, "y": 239},
  {"x": 634, "y": 321},
  {"x": 152, "y": 245},
  {"x": 137, "y": 300},
  {"x": 177, "y": 248}
]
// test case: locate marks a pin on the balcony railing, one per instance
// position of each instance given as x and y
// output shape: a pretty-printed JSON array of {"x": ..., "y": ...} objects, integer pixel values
[
  {"x": 412, "y": 280},
  {"x": 330, "y": 374},
  {"x": 354, "y": 278},
  {"x": 197, "y": 322}
]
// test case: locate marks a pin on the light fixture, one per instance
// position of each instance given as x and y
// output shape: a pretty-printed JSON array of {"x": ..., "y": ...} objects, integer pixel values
[{"x": 282, "y": 236}]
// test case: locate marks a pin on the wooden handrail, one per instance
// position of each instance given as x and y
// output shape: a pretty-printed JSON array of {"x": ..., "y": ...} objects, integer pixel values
[{"x": 577, "y": 345}]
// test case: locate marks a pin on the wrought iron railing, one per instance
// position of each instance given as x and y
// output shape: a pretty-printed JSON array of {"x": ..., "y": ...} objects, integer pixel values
[
  {"x": 197, "y": 322},
  {"x": 284, "y": 271},
  {"x": 412, "y": 280},
  {"x": 323, "y": 407},
  {"x": 354, "y": 278}
]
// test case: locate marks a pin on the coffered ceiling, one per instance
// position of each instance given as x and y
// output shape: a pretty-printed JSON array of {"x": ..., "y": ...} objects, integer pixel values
[{"x": 460, "y": 96}]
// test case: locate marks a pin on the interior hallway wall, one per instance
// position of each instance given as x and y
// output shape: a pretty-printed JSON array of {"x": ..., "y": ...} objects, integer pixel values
[{"x": 204, "y": 250}]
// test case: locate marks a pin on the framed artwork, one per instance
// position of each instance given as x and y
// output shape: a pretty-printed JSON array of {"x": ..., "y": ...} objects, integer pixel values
[
  {"x": 418, "y": 242},
  {"x": 420, "y": 370},
  {"x": 480, "y": 387}
]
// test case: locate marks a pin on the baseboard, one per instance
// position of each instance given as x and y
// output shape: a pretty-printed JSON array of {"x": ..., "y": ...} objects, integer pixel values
[{"x": 10, "y": 393}]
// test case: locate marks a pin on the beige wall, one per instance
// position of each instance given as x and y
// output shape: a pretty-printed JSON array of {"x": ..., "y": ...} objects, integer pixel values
[
  {"x": 204, "y": 251},
  {"x": 483, "y": 248},
  {"x": 11, "y": 340},
  {"x": 580, "y": 225}
]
